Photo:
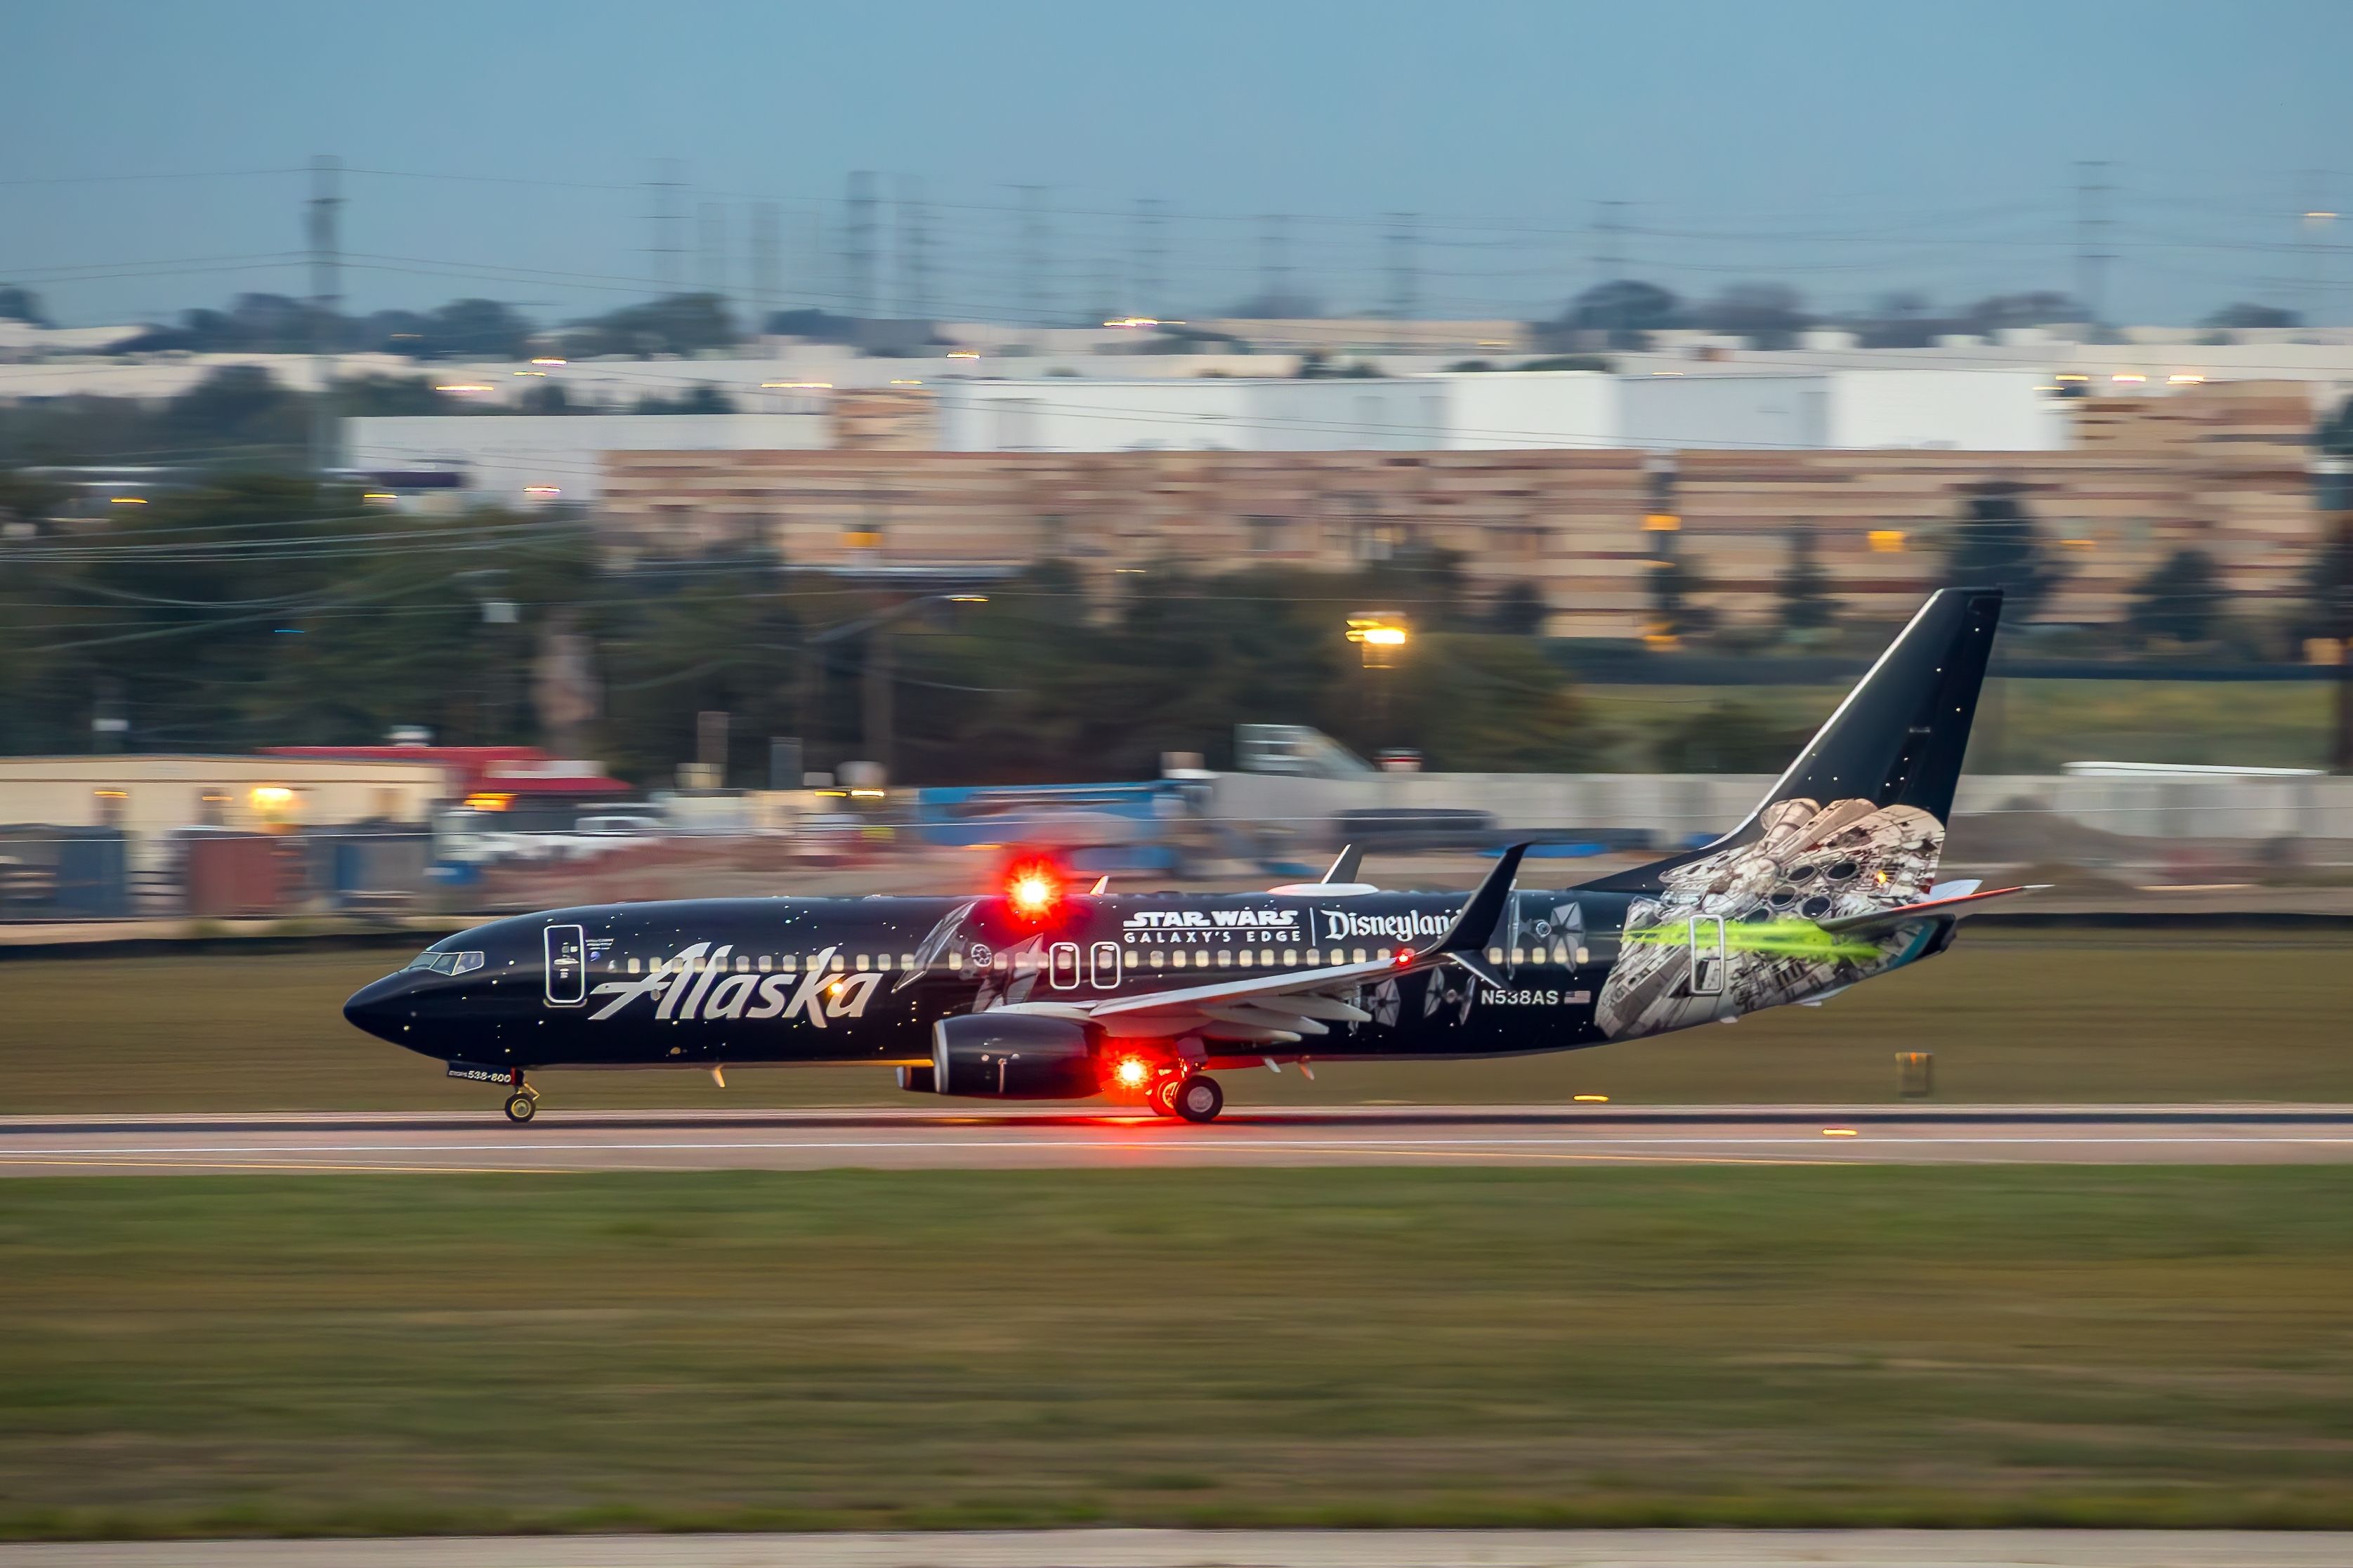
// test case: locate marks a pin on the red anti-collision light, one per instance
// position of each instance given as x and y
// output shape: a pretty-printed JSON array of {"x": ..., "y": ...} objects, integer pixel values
[
  {"x": 1404, "y": 957},
  {"x": 1033, "y": 888}
]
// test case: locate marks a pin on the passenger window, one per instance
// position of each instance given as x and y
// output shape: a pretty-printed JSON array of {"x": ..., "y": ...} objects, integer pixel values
[
  {"x": 1157, "y": 958},
  {"x": 906, "y": 961},
  {"x": 1246, "y": 958},
  {"x": 633, "y": 966},
  {"x": 1290, "y": 957},
  {"x": 1360, "y": 956},
  {"x": 1225, "y": 957}
]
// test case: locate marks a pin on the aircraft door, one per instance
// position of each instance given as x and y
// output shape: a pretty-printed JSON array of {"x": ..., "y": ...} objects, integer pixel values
[
  {"x": 1706, "y": 956},
  {"x": 1063, "y": 966},
  {"x": 1103, "y": 965},
  {"x": 567, "y": 967}
]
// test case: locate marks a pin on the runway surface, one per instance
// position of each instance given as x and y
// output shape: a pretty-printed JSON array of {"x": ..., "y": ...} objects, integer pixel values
[
  {"x": 1249, "y": 1549},
  {"x": 929, "y": 1138}
]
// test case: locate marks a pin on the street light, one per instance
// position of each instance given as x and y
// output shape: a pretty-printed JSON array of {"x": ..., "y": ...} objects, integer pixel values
[{"x": 1379, "y": 635}]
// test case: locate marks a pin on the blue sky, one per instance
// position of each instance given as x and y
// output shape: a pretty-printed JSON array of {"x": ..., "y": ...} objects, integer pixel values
[{"x": 148, "y": 151}]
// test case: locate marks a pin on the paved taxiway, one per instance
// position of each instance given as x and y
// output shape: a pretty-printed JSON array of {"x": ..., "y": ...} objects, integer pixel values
[
  {"x": 932, "y": 1138},
  {"x": 1249, "y": 1549}
]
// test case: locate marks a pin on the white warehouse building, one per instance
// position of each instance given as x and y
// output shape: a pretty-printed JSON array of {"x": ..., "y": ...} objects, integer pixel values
[
  {"x": 536, "y": 458},
  {"x": 1738, "y": 408}
]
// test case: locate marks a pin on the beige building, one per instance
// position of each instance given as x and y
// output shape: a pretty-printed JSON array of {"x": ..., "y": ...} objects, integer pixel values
[
  {"x": 149, "y": 796},
  {"x": 2222, "y": 468}
]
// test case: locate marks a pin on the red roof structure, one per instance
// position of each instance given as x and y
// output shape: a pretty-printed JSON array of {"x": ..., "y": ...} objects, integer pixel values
[{"x": 485, "y": 769}]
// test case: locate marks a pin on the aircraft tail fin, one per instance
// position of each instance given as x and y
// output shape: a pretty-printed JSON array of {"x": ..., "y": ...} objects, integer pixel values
[{"x": 1885, "y": 766}]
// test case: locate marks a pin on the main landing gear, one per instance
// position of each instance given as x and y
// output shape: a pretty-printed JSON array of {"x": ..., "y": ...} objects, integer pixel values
[
  {"x": 1195, "y": 1099},
  {"x": 523, "y": 1104}
]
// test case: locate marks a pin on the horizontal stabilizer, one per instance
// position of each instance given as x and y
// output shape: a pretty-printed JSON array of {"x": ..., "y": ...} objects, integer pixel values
[{"x": 1882, "y": 919}]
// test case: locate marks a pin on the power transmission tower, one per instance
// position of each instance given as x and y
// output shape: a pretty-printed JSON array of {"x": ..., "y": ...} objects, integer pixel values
[
  {"x": 1405, "y": 284},
  {"x": 711, "y": 249},
  {"x": 664, "y": 214},
  {"x": 914, "y": 301},
  {"x": 2312, "y": 239},
  {"x": 2092, "y": 252},
  {"x": 326, "y": 302},
  {"x": 1609, "y": 241},
  {"x": 1274, "y": 264},
  {"x": 1036, "y": 291},
  {"x": 767, "y": 245},
  {"x": 1151, "y": 260},
  {"x": 860, "y": 255}
]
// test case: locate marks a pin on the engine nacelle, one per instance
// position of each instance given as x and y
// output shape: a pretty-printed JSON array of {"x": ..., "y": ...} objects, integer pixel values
[{"x": 1016, "y": 1056}]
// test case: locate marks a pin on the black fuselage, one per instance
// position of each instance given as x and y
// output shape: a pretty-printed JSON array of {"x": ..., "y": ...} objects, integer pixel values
[{"x": 720, "y": 981}]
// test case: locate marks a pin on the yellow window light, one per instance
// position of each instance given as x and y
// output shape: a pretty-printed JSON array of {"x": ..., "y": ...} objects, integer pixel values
[
  {"x": 1662, "y": 522},
  {"x": 270, "y": 799},
  {"x": 2127, "y": 378},
  {"x": 487, "y": 800},
  {"x": 1887, "y": 540}
]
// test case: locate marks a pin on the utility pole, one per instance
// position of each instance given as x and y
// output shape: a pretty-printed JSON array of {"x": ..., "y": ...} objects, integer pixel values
[
  {"x": 2092, "y": 252},
  {"x": 879, "y": 677},
  {"x": 662, "y": 209},
  {"x": 860, "y": 252},
  {"x": 1609, "y": 241},
  {"x": 1037, "y": 297},
  {"x": 1405, "y": 285},
  {"x": 326, "y": 303},
  {"x": 767, "y": 244}
]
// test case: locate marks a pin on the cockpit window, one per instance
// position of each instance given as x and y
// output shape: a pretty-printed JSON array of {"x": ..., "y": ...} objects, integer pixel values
[{"x": 448, "y": 962}]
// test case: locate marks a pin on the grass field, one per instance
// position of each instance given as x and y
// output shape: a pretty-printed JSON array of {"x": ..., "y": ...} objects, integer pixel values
[
  {"x": 2011, "y": 1015},
  {"x": 1779, "y": 1346}
]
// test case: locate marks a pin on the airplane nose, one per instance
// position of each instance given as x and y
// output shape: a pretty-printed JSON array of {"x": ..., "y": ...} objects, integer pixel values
[{"x": 381, "y": 1006}]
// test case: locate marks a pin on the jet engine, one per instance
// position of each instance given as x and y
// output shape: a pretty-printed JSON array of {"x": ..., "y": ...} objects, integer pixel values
[{"x": 1013, "y": 1055}]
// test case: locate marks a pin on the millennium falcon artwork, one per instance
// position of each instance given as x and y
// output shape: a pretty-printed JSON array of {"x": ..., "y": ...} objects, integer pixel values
[{"x": 1734, "y": 930}]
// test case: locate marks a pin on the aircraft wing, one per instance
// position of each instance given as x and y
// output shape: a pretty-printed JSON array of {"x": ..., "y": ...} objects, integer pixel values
[
  {"x": 1282, "y": 1009},
  {"x": 1932, "y": 908}
]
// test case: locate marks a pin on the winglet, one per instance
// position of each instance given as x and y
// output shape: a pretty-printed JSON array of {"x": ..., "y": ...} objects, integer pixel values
[
  {"x": 1484, "y": 908},
  {"x": 1344, "y": 864}
]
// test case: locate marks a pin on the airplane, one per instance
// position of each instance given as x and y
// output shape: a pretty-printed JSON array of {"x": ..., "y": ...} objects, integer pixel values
[{"x": 1038, "y": 991}]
